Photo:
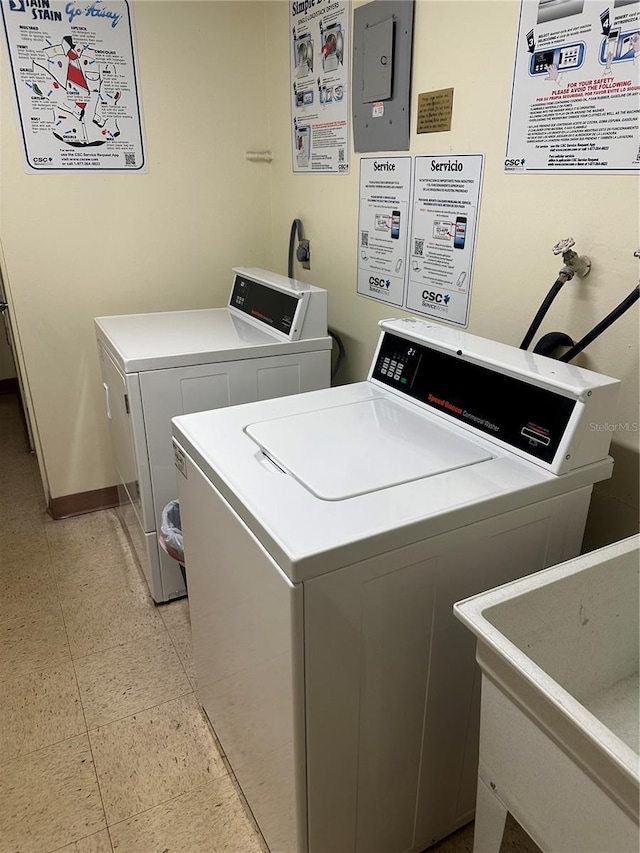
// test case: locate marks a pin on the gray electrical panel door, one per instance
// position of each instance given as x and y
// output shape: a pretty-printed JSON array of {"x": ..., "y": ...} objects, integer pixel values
[
  {"x": 378, "y": 62},
  {"x": 381, "y": 83}
]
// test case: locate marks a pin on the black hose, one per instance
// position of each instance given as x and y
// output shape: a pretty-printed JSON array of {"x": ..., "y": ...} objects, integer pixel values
[
  {"x": 542, "y": 310},
  {"x": 340, "y": 356},
  {"x": 551, "y": 342},
  {"x": 602, "y": 326},
  {"x": 296, "y": 225}
]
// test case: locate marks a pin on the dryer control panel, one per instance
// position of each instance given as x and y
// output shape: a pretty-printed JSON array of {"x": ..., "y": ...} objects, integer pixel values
[
  {"x": 547, "y": 411},
  {"x": 272, "y": 307},
  {"x": 291, "y": 308}
]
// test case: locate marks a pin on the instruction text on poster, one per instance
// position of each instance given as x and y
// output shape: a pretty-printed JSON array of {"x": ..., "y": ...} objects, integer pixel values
[
  {"x": 319, "y": 62},
  {"x": 575, "y": 103},
  {"x": 446, "y": 201},
  {"x": 383, "y": 226},
  {"x": 76, "y": 85}
]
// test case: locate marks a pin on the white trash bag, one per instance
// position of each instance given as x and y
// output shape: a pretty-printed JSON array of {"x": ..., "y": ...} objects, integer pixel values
[{"x": 171, "y": 532}]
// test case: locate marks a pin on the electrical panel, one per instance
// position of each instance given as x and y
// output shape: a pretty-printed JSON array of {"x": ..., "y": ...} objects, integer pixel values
[{"x": 381, "y": 83}]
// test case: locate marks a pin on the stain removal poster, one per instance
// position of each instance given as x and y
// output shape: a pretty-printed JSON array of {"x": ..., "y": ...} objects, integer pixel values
[
  {"x": 76, "y": 85},
  {"x": 575, "y": 103}
]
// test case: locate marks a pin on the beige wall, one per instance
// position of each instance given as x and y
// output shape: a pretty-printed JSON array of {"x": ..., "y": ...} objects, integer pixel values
[
  {"x": 79, "y": 246},
  {"x": 168, "y": 239}
]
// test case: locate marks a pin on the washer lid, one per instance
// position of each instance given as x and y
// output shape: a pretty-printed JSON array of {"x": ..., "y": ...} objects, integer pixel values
[{"x": 350, "y": 450}]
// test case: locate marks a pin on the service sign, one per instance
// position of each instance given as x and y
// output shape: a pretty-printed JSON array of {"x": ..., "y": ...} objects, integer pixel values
[
  {"x": 383, "y": 227},
  {"x": 76, "y": 85},
  {"x": 446, "y": 202}
]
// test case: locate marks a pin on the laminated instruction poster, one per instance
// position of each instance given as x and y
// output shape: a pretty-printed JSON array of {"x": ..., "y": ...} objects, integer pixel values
[
  {"x": 383, "y": 226},
  {"x": 319, "y": 58},
  {"x": 446, "y": 201},
  {"x": 575, "y": 103},
  {"x": 76, "y": 85}
]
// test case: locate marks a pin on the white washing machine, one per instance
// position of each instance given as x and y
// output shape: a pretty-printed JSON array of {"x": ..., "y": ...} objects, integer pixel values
[
  {"x": 327, "y": 537},
  {"x": 270, "y": 340}
]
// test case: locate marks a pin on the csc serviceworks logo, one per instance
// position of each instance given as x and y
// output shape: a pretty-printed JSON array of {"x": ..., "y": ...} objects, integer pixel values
[
  {"x": 431, "y": 296},
  {"x": 374, "y": 281}
]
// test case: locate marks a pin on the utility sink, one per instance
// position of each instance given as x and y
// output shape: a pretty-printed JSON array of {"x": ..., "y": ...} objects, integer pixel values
[{"x": 560, "y": 727}]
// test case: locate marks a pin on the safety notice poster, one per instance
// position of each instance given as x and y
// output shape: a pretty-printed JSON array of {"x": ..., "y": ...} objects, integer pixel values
[
  {"x": 383, "y": 226},
  {"x": 446, "y": 201},
  {"x": 319, "y": 62},
  {"x": 575, "y": 103},
  {"x": 76, "y": 85}
]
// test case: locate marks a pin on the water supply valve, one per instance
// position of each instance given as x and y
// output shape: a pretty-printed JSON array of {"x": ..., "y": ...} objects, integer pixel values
[
  {"x": 303, "y": 254},
  {"x": 574, "y": 264}
]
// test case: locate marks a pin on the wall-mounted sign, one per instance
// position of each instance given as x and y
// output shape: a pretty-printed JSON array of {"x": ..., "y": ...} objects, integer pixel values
[
  {"x": 574, "y": 102},
  {"x": 319, "y": 62},
  {"x": 76, "y": 85},
  {"x": 383, "y": 227},
  {"x": 417, "y": 231},
  {"x": 434, "y": 111},
  {"x": 446, "y": 202}
]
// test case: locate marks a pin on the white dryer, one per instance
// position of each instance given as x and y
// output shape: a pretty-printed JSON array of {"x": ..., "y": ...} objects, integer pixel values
[
  {"x": 327, "y": 537},
  {"x": 270, "y": 340}
]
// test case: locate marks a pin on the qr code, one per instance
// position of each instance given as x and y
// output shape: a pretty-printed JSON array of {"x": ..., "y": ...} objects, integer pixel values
[
  {"x": 340, "y": 155},
  {"x": 129, "y": 159},
  {"x": 364, "y": 239},
  {"x": 418, "y": 247}
]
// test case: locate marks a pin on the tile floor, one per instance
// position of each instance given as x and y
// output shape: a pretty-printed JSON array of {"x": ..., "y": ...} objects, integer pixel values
[{"x": 103, "y": 748}]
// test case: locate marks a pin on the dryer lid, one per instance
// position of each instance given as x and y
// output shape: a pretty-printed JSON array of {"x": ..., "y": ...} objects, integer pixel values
[{"x": 346, "y": 451}]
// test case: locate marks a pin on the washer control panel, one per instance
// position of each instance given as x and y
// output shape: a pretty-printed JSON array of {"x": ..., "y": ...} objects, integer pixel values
[{"x": 520, "y": 413}]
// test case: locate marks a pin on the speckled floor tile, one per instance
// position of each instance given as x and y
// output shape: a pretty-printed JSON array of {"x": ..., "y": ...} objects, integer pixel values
[
  {"x": 154, "y": 756},
  {"x": 175, "y": 616},
  {"x": 74, "y": 538},
  {"x": 97, "y": 623},
  {"x": 516, "y": 840},
  {"x": 15, "y": 509},
  {"x": 37, "y": 710},
  {"x": 28, "y": 548},
  {"x": 97, "y": 843},
  {"x": 32, "y": 506},
  {"x": 23, "y": 481},
  {"x": 110, "y": 569},
  {"x": 129, "y": 678},
  {"x": 27, "y": 588},
  {"x": 21, "y": 521},
  {"x": 208, "y": 819},
  {"x": 50, "y": 798},
  {"x": 32, "y": 641}
]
